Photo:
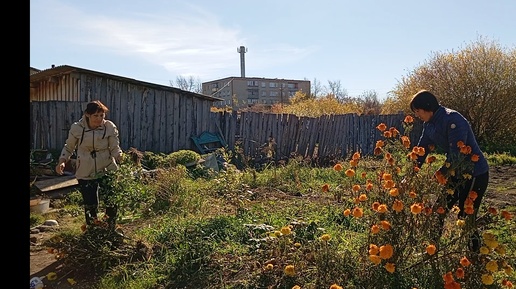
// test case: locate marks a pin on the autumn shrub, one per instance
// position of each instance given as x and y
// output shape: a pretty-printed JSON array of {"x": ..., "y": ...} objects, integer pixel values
[{"x": 124, "y": 188}]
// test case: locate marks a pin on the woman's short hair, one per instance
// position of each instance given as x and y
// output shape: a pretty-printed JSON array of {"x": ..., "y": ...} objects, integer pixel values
[
  {"x": 95, "y": 106},
  {"x": 424, "y": 100}
]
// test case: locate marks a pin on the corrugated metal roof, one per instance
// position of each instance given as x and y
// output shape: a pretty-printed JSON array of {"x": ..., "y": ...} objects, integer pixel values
[{"x": 66, "y": 69}]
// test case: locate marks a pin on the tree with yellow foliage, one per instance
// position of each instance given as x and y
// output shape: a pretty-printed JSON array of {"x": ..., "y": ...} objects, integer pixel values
[{"x": 479, "y": 81}]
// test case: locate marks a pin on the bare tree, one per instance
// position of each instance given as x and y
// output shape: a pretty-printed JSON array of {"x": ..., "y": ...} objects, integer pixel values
[
  {"x": 316, "y": 89},
  {"x": 336, "y": 90},
  {"x": 191, "y": 83}
]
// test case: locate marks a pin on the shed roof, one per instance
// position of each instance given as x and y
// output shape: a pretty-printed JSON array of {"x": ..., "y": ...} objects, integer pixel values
[{"x": 43, "y": 75}]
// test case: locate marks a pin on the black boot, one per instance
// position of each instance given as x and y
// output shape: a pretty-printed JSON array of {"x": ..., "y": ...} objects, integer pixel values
[
  {"x": 112, "y": 213},
  {"x": 90, "y": 213}
]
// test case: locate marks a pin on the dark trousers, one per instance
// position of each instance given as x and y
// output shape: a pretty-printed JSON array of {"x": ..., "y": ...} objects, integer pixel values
[
  {"x": 477, "y": 184},
  {"x": 90, "y": 195}
]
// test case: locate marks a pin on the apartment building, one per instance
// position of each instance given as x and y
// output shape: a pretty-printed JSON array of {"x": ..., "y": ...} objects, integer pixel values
[{"x": 238, "y": 92}]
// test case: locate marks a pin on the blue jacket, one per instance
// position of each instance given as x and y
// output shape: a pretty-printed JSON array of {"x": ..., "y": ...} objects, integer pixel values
[{"x": 444, "y": 130}]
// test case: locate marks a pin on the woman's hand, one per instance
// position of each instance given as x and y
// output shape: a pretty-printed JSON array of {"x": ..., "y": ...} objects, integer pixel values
[{"x": 60, "y": 167}]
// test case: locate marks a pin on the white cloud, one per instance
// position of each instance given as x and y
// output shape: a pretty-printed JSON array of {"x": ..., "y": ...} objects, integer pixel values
[{"x": 185, "y": 41}]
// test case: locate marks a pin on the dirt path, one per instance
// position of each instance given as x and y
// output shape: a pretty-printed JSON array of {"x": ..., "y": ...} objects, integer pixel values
[{"x": 501, "y": 193}]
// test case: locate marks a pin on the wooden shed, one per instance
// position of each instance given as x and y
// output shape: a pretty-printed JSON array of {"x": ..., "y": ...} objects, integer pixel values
[{"x": 150, "y": 117}]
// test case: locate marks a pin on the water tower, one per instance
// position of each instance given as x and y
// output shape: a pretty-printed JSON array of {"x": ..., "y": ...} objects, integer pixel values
[{"x": 242, "y": 50}]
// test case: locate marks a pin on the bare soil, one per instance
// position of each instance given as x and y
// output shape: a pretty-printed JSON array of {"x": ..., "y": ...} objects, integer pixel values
[{"x": 501, "y": 193}]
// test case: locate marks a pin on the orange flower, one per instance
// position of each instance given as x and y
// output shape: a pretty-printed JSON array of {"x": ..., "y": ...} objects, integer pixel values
[
  {"x": 416, "y": 169},
  {"x": 416, "y": 209},
  {"x": 475, "y": 158},
  {"x": 412, "y": 194},
  {"x": 379, "y": 143},
  {"x": 465, "y": 150},
  {"x": 337, "y": 167},
  {"x": 369, "y": 186},
  {"x": 381, "y": 127},
  {"x": 386, "y": 176},
  {"x": 355, "y": 188},
  {"x": 375, "y": 229},
  {"x": 506, "y": 215},
  {"x": 469, "y": 210},
  {"x": 390, "y": 267},
  {"x": 394, "y": 131},
  {"x": 388, "y": 184},
  {"x": 459, "y": 273},
  {"x": 430, "y": 159},
  {"x": 362, "y": 197},
  {"x": 412, "y": 155},
  {"x": 430, "y": 249},
  {"x": 350, "y": 172},
  {"x": 405, "y": 140},
  {"x": 377, "y": 151},
  {"x": 394, "y": 192},
  {"x": 335, "y": 286},
  {"x": 387, "y": 134},
  {"x": 465, "y": 262},
  {"x": 356, "y": 156},
  {"x": 493, "y": 211},
  {"x": 428, "y": 211},
  {"x": 386, "y": 225},
  {"x": 375, "y": 259},
  {"x": 440, "y": 210},
  {"x": 373, "y": 249},
  {"x": 397, "y": 206},
  {"x": 375, "y": 206},
  {"x": 326, "y": 188},
  {"x": 363, "y": 175},
  {"x": 358, "y": 212},
  {"x": 441, "y": 179},
  {"x": 448, "y": 278},
  {"x": 472, "y": 195},
  {"x": 386, "y": 251},
  {"x": 382, "y": 208},
  {"x": 408, "y": 119},
  {"x": 347, "y": 212},
  {"x": 353, "y": 163}
]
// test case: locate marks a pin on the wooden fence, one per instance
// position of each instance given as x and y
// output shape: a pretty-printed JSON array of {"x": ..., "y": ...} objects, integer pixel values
[
  {"x": 286, "y": 134},
  {"x": 330, "y": 135}
]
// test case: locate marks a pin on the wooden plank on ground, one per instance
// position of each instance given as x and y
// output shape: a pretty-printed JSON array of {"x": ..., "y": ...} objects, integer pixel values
[{"x": 56, "y": 183}]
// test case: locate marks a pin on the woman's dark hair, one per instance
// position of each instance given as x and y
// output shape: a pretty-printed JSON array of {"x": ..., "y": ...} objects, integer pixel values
[
  {"x": 95, "y": 106},
  {"x": 424, "y": 100}
]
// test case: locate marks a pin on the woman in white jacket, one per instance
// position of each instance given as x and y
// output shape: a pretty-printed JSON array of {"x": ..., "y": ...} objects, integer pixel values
[{"x": 96, "y": 143}]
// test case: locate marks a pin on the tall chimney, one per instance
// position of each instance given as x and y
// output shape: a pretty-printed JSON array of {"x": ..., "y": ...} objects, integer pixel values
[{"x": 242, "y": 50}]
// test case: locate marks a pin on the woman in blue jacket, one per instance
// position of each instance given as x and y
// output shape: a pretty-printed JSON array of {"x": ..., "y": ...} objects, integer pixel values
[{"x": 444, "y": 128}]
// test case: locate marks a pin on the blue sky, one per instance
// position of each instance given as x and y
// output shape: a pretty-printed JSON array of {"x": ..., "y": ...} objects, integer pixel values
[{"x": 365, "y": 44}]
